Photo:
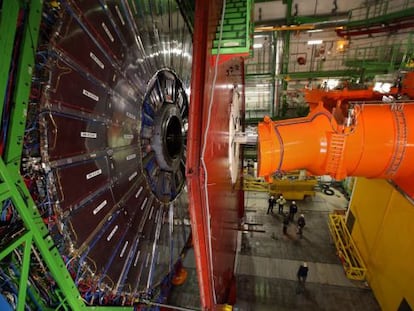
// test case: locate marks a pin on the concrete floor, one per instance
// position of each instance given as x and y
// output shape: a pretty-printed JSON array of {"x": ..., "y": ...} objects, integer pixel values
[
  {"x": 267, "y": 264},
  {"x": 268, "y": 261}
]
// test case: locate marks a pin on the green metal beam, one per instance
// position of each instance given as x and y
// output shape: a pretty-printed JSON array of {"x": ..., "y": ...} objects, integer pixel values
[
  {"x": 12, "y": 185},
  {"x": 8, "y": 21},
  {"x": 273, "y": 71},
  {"x": 289, "y": 19},
  {"x": 299, "y": 20},
  {"x": 391, "y": 17},
  {"x": 25, "y": 239},
  {"x": 319, "y": 74},
  {"x": 264, "y": 76},
  {"x": 23, "y": 82},
  {"x": 24, "y": 275},
  {"x": 19, "y": 241},
  {"x": 32, "y": 220}
]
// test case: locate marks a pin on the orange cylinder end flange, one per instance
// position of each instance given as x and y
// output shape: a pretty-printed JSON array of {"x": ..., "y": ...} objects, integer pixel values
[{"x": 267, "y": 148}]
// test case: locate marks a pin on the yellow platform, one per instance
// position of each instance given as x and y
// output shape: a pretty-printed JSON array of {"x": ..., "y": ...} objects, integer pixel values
[{"x": 290, "y": 186}]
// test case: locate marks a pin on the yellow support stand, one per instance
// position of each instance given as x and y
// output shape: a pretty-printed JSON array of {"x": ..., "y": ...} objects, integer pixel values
[
  {"x": 347, "y": 251},
  {"x": 292, "y": 189}
]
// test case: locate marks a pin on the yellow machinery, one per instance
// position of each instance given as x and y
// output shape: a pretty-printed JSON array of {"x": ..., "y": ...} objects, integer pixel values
[
  {"x": 347, "y": 251},
  {"x": 290, "y": 186}
]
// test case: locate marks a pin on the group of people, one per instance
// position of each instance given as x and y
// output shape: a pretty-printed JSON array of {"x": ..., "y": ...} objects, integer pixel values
[
  {"x": 288, "y": 217},
  {"x": 280, "y": 201}
]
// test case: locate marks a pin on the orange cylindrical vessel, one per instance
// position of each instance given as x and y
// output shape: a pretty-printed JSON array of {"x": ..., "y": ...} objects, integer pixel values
[{"x": 375, "y": 141}]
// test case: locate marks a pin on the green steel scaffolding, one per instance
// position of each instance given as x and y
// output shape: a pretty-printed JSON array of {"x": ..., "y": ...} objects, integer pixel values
[{"x": 33, "y": 239}]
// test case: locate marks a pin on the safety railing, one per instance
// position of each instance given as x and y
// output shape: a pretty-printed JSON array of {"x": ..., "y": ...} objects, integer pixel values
[
  {"x": 379, "y": 9},
  {"x": 385, "y": 57},
  {"x": 346, "y": 249}
]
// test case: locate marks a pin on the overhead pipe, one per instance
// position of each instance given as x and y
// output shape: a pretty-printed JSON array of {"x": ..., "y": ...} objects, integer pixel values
[
  {"x": 374, "y": 141},
  {"x": 360, "y": 31}
]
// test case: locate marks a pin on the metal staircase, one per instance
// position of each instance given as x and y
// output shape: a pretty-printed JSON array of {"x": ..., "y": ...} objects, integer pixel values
[
  {"x": 347, "y": 251},
  {"x": 334, "y": 165},
  {"x": 235, "y": 35}
]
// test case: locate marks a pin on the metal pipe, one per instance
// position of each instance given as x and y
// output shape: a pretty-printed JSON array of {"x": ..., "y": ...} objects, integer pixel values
[{"x": 377, "y": 142}]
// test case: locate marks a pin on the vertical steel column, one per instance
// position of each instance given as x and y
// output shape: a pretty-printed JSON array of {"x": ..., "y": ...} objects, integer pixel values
[
  {"x": 274, "y": 74},
  {"x": 25, "y": 239},
  {"x": 32, "y": 220},
  {"x": 11, "y": 183},
  {"x": 285, "y": 58},
  {"x": 8, "y": 21},
  {"x": 24, "y": 72}
]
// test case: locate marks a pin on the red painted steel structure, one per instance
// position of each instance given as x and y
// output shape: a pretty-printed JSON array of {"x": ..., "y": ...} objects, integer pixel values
[{"x": 215, "y": 203}]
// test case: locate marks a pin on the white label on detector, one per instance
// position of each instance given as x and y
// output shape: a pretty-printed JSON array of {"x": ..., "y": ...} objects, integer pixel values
[
  {"x": 108, "y": 33},
  {"x": 99, "y": 207},
  {"x": 115, "y": 229},
  {"x": 90, "y": 95},
  {"x": 94, "y": 174},
  {"x": 128, "y": 136},
  {"x": 131, "y": 156},
  {"x": 123, "y": 249},
  {"x": 132, "y": 176},
  {"x": 97, "y": 60},
  {"x": 130, "y": 115},
  {"x": 138, "y": 192},
  {"x": 120, "y": 15},
  {"x": 144, "y": 203},
  {"x": 93, "y": 155},
  {"x": 88, "y": 134},
  {"x": 136, "y": 258}
]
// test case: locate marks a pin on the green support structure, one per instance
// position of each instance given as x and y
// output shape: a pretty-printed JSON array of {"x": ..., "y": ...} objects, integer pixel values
[
  {"x": 36, "y": 230},
  {"x": 23, "y": 82},
  {"x": 236, "y": 36},
  {"x": 25, "y": 239},
  {"x": 285, "y": 59},
  {"x": 273, "y": 71},
  {"x": 8, "y": 21},
  {"x": 380, "y": 19},
  {"x": 35, "y": 234}
]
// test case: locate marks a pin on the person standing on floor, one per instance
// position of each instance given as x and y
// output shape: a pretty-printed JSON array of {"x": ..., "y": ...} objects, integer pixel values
[
  {"x": 301, "y": 224},
  {"x": 281, "y": 201},
  {"x": 271, "y": 204},
  {"x": 302, "y": 274},
  {"x": 293, "y": 209}
]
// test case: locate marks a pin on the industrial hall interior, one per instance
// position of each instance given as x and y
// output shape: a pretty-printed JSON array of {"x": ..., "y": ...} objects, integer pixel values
[{"x": 206, "y": 155}]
